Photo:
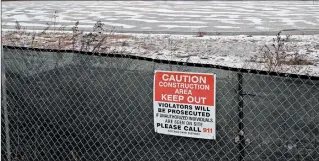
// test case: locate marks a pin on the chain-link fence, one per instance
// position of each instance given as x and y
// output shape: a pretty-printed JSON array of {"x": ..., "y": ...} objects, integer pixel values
[{"x": 76, "y": 106}]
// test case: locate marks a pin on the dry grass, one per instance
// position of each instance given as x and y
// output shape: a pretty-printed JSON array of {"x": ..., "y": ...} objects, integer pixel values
[
  {"x": 104, "y": 40},
  {"x": 147, "y": 46},
  {"x": 298, "y": 61},
  {"x": 99, "y": 40},
  {"x": 278, "y": 54}
]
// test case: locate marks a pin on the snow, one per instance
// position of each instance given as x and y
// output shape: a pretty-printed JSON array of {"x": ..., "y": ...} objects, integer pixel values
[
  {"x": 163, "y": 10},
  {"x": 119, "y": 25},
  {"x": 99, "y": 6},
  {"x": 41, "y": 18},
  {"x": 122, "y": 12},
  {"x": 256, "y": 21},
  {"x": 27, "y": 24},
  {"x": 158, "y": 21},
  {"x": 20, "y": 17},
  {"x": 231, "y": 51},
  {"x": 275, "y": 15},
  {"x": 146, "y": 28},
  {"x": 233, "y": 22},
  {"x": 306, "y": 22},
  {"x": 215, "y": 7},
  {"x": 243, "y": 10},
  {"x": 179, "y": 15},
  {"x": 287, "y": 21},
  {"x": 23, "y": 24},
  {"x": 178, "y": 26},
  {"x": 226, "y": 27},
  {"x": 262, "y": 28},
  {"x": 111, "y": 19},
  {"x": 106, "y": 23}
]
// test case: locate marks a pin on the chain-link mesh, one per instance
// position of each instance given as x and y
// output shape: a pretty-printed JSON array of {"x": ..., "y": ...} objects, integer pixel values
[{"x": 71, "y": 106}]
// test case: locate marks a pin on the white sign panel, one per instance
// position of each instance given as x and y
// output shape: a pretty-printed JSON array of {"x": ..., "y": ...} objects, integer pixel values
[{"x": 184, "y": 104}]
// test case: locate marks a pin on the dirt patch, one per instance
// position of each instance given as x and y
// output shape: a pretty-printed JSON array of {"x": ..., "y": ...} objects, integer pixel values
[{"x": 298, "y": 62}]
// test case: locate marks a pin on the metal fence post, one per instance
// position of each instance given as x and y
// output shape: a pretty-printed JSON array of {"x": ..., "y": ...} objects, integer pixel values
[
  {"x": 241, "y": 141},
  {"x": 5, "y": 108}
]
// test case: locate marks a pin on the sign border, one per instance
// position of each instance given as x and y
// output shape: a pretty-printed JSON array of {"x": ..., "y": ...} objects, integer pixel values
[{"x": 214, "y": 76}]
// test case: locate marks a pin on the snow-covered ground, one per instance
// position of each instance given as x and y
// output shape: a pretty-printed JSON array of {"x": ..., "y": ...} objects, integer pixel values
[
  {"x": 239, "y": 17},
  {"x": 183, "y": 16},
  {"x": 240, "y": 51}
]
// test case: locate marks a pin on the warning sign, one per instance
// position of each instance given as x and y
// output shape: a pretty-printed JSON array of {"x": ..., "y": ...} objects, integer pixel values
[{"x": 184, "y": 104}]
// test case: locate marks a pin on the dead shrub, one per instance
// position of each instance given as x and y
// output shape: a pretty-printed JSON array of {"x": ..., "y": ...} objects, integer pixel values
[{"x": 278, "y": 54}]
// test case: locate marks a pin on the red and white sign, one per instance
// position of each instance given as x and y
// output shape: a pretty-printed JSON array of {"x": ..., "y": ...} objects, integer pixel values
[{"x": 184, "y": 104}]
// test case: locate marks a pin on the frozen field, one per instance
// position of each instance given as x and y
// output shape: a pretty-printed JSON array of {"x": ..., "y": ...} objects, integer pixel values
[
  {"x": 240, "y": 51},
  {"x": 179, "y": 17}
]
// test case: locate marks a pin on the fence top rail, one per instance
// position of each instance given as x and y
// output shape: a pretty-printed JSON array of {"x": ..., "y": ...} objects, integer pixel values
[{"x": 172, "y": 62}]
